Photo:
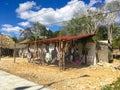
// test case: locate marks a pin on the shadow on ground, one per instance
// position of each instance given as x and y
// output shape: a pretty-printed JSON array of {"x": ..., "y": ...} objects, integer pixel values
[{"x": 26, "y": 87}]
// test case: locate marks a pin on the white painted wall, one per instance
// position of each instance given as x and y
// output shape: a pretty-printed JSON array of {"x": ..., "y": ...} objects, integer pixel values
[{"x": 91, "y": 58}]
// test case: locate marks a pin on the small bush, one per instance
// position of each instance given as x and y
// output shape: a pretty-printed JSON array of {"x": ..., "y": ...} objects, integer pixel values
[
  {"x": 113, "y": 86},
  {"x": 107, "y": 87}
]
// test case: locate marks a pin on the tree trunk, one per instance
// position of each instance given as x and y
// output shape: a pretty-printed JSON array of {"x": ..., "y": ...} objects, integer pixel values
[{"x": 109, "y": 35}]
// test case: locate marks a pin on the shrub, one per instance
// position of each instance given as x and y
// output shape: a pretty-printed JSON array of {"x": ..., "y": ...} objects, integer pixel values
[{"x": 113, "y": 86}]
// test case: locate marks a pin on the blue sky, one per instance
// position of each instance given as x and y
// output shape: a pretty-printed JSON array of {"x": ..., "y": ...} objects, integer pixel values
[{"x": 19, "y": 14}]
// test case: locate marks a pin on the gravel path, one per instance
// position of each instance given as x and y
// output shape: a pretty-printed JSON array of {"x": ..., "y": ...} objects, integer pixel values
[{"x": 12, "y": 82}]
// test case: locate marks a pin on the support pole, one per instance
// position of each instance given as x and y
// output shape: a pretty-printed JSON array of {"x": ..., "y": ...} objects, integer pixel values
[
  {"x": 14, "y": 53},
  {"x": 0, "y": 53},
  {"x": 1, "y": 47},
  {"x": 60, "y": 59},
  {"x": 60, "y": 52},
  {"x": 63, "y": 60},
  {"x": 63, "y": 55}
]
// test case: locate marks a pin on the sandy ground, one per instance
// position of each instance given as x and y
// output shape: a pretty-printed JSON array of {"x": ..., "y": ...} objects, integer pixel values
[{"x": 79, "y": 78}]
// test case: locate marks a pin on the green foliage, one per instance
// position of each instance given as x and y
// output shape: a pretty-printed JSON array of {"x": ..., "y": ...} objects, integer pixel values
[
  {"x": 49, "y": 34},
  {"x": 36, "y": 32},
  {"x": 113, "y": 86},
  {"x": 56, "y": 33},
  {"x": 107, "y": 87},
  {"x": 102, "y": 33},
  {"x": 63, "y": 33},
  {"x": 116, "y": 31},
  {"x": 39, "y": 30},
  {"x": 116, "y": 42},
  {"x": 78, "y": 26},
  {"x": 95, "y": 39},
  {"x": 116, "y": 37},
  {"x": 86, "y": 24},
  {"x": 32, "y": 38},
  {"x": 59, "y": 33},
  {"x": 14, "y": 38},
  {"x": 20, "y": 39}
]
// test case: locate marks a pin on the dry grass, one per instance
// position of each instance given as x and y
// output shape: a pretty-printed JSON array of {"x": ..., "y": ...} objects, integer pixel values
[{"x": 87, "y": 78}]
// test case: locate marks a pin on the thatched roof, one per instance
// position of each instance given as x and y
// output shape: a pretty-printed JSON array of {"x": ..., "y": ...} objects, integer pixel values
[{"x": 6, "y": 42}]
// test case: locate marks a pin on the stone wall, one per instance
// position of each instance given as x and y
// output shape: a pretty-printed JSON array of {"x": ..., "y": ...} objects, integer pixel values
[{"x": 103, "y": 52}]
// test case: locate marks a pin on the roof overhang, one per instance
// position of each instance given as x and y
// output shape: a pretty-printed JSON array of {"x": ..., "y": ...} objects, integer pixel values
[{"x": 62, "y": 38}]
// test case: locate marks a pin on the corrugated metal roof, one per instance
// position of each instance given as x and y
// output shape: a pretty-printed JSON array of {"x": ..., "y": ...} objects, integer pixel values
[{"x": 62, "y": 38}]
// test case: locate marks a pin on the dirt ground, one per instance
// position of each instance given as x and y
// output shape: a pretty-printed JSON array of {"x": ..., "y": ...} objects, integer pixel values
[{"x": 79, "y": 78}]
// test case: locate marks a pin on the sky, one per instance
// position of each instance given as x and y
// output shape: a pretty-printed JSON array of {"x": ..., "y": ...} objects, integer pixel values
[{"x": 19, "y": 14}]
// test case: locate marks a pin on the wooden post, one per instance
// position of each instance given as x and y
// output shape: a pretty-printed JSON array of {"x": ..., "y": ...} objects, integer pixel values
[
  {"x": 1, "y": 47},
  {"x": 63, "y": 54},
  {"x": 0, "y": 52},
  {"x": 43, "y": 54},
  {"x": 97, "y": 57},
  {"x": 62, "y": 51},
  {"x": 14, "y": 53},
  {"x": 63, "y": 60},
  {"x": 85, "y": 59}
]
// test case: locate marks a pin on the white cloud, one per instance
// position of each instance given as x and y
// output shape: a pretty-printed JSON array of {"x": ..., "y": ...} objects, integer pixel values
[
  {"x": 108, "y": 1},
  {"x": 25, "y": 6},
  {"x": 93, "y": 9},
  {"x": 49, "y": 15},
  {"x": 24, "y": 24},
  {"x": 92, "y": 2},
  {"x": 10, "y": 28}
]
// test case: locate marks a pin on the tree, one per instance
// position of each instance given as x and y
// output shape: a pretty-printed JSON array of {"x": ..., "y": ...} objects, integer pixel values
[
  {"x": 82, "y": 25},
  {"x": 116, "y": 43},
  {"x": 49, "y": 34},
  {"x": 14, "y": 38},
  {"x": 39, "y": 30},
  {"x": 56, "y": 33},
  {"x": 116, "y": 37},
  {"x": 116, "y": 31},
  {"x": 26, "y": 33},
  {"x": 111, "y": 18},
  {"x": 102, "y": 33}
]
